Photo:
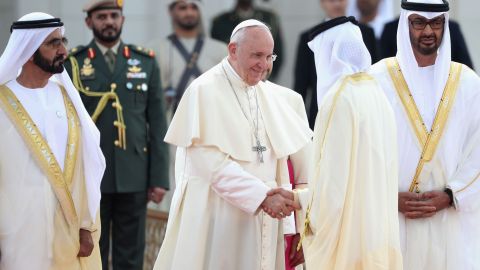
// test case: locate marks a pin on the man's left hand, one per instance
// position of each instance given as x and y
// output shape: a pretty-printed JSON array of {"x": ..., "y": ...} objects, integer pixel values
[
  {"x": 156, "y": 194},
  {"x": 86, "y": 243},
  {"x": 296, "y": 257},
  {"x": 438, "y": 199}
]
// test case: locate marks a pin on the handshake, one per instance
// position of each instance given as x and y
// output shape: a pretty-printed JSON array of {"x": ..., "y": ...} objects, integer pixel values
[{"x": 279, "y": 203}]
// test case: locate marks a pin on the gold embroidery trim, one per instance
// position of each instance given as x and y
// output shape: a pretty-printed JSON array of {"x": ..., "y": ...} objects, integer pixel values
[
  {"x": 469, "y": 184},
  {"x": 73, "y": 139},
  {"x": 307, "y": 230},
  {"x": 102, "y": 103},
  {"x": 407, "y": 100},
  {"x": 428, "y": 140},
  {"x": 360, "y": 76},
  {"x": 42, "y": 152}
]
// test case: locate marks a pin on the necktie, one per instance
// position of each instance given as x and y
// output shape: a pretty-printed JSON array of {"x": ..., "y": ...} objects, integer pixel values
[{"x": 110, "y": 59}]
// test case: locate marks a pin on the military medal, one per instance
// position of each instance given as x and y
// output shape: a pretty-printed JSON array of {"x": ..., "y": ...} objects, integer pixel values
[
  {"x": 87, "y": 69},
  {"x": 134, "y": 71}
]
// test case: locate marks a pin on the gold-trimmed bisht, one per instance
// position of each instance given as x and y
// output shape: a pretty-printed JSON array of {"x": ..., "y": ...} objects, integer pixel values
[{"x": 427, "y": 140}]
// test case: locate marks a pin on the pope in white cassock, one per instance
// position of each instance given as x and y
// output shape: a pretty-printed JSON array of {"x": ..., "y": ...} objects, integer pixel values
[
  {"x": 435, "y": 102},
  {"x": 51, "y": 162},
  {"x": 351, "y": 203},
  {"x": 234, "y": 134}
]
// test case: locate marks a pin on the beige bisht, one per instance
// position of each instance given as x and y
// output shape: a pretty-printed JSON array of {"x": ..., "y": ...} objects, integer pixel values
[
  {"x": 215, "y": 222},
  {"x": 352, "y": 196},
  {"x": 42, "y": 208}
]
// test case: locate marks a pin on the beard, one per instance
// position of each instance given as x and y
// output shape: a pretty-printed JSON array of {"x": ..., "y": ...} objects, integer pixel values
[
  {"x": 102, "y": 36},
  {"x": 53, "y": 67},
  {"x": 423, "y": 49},
  {"x": 188, "y": 25}
]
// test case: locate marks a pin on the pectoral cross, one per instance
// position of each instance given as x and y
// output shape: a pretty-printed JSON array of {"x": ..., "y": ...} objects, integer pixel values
[{"x": 259, "y": 149}]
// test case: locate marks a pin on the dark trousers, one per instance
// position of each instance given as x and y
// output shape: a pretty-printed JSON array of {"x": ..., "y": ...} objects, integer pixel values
[{"x": 124, "y": 215}]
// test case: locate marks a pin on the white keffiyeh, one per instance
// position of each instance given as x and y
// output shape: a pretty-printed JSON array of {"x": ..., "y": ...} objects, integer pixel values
[{"x": 21, "y": 46}]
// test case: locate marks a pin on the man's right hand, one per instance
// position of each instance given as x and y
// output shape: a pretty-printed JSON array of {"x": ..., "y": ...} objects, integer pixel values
[
  {"x": 417, "y": 210},
  {"x": 279, "y": 203},
  {"x": 86, "y": 243}
]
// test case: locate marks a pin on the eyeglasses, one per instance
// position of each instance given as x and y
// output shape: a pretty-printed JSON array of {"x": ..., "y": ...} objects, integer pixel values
[
  {"x": 272, "y": 57},
  {"x": 260, "y": 56},
  {"x": 435, "y": 24},
  {"x": 56, "y": 43}
]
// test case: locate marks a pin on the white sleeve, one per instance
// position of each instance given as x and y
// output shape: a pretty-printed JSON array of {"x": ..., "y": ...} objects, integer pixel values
[
  {"x": 229, "y": 180},
  {"x": 466, "y": 184},
  {"x": 301, "y": 165}
]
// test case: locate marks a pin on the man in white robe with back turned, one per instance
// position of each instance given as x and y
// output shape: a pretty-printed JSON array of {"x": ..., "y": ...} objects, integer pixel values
[
  {"x": 51, "y": 162},
  {"x": 435, "y": 102},
  {"x": 350, "y": 204},
  {"x": 234, "y": 133}
]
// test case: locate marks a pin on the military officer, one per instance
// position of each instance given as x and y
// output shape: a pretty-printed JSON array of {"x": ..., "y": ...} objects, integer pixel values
[{"x": 120, "y": 87}]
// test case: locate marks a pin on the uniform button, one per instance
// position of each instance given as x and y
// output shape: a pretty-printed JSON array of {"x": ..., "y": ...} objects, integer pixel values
[
  {"x": 114, "y": 105},
  {"x": 145, "y": 149},
  {"x": 87, "y": 88},
  {"x": 116, "y": 142},
  {"x": 113, "y": 86}
]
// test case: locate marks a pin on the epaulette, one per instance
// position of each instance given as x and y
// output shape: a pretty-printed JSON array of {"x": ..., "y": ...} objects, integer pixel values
[
  {"x": 141, "y": 50},
  {"x": 76, "y": 50}
]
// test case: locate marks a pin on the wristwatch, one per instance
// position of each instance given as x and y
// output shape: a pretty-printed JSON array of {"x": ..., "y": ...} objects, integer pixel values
[{"x": 450, "y": 195}]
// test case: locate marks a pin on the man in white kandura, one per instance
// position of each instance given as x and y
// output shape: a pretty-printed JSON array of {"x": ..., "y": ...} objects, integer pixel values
[
  {"x": 186, "y": 53},
  {"x": 350, "y": 205},
  {"x": 435, "y": 102},
  {"x": 51, "y": 162},
  {"x": 234, "y": 133}
]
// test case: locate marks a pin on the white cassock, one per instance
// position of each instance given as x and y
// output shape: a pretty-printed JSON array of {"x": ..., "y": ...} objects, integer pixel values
[
  {"x": 172, "y": 65},
  {"x": 450, "y": 239},
  {"x": 35, "y": 231},
  {"x": 215, "y": 222},
  {"x": 353, "y": 191}
]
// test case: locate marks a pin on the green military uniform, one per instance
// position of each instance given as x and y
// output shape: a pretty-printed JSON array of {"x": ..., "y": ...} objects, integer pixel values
[
  {"x": 223, "y": 25},
  {"x": 132, "y": 127}
]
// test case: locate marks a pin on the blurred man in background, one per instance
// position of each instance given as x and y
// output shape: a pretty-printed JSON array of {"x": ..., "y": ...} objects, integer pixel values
[
  {"x": 223, "y": 24},
  {"x": 305, "y": 81}
]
